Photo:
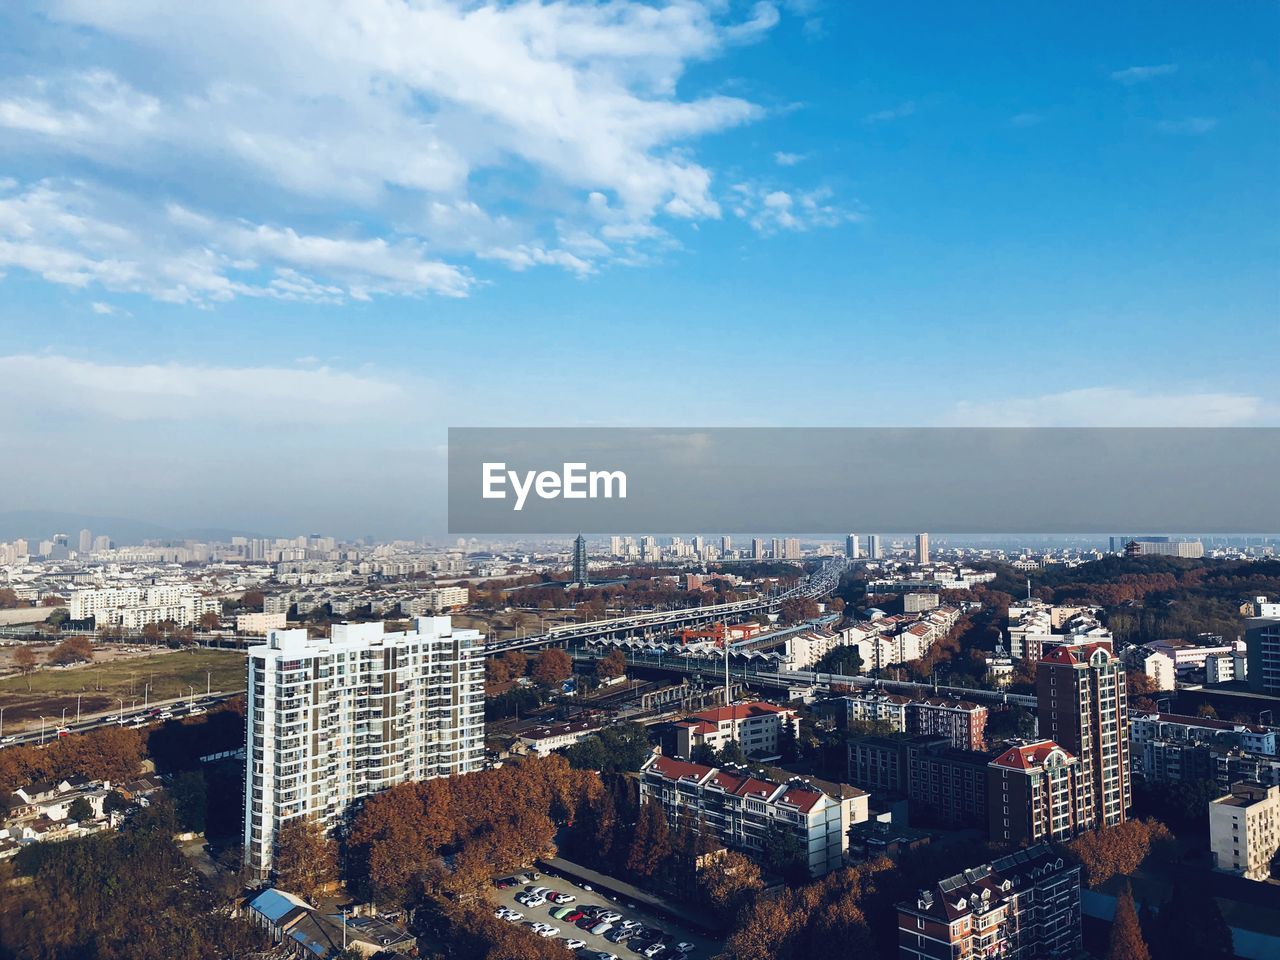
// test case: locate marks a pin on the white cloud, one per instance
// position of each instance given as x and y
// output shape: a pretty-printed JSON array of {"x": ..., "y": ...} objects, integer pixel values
[
  {"x": 1188, "y": 126},
  {"x": 1131, "y": 75},
  {"x": 105, "y": 309},
  {"x": 365, "y": 102},
  {"x": 893, "y": 113},
  {"x": 1112, "y": 407},
  {"x": 175, "y": 392},
  {"x": 784, "y": 159},
  {"x": 769, "y": 210},
  {"x": 62, "y": 233}
]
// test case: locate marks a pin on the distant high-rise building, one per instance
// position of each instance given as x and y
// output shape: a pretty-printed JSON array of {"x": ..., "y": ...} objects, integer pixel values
[
  {"x": 873, "y": 546},
  {"x": 922, "y": 548},
  {"x": 726, "y": 545},
  {"x": 1262, "y": 646},
  {"x": 757, "y": 548},
  {"x": 852, "y": 547},
  {"x": 615, "y": 546},
  {"x": 86, "y": 541},
  {"x": 776, "y": 549},
  {"x": 580, "y": 560},
  {"x": 332, "y": 720},
  {"x": 1157, "y": 546},
  {"x": 1083, "y": 708},
  {"x": 101, "y": 543}
]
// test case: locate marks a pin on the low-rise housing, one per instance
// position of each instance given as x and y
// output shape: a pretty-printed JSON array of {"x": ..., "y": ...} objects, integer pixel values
[
  {"x": 742, "y": 810},
  {"x": 547, "y": 739}
]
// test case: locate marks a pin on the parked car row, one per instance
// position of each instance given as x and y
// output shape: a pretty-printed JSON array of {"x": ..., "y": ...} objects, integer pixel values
[{"x": 601, "y": 920}]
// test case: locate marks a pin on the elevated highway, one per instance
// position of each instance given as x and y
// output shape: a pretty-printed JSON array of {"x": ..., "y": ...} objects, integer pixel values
[{"x": 821, "y": 582}]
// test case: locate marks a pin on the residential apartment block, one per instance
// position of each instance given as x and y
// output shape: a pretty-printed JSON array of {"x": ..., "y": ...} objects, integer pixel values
[
  {"x": 963, "y": 723},
  {"x": 135, "y": 607},
  {"x": 945, "y": 785},
  {"x": 1034, "y": 793},
  {"x": 756, "y": 727},
  {"x": 1023, "y": 906},
  {"x": 1083, "y": 708},
  {"x": 1173, "y": 747},
  {"x": 332, "y": 720},
  {"x": 1244, "y": 830},
  {"x": 742, "y": 810},
  {"x": 1262, "y": 643}
]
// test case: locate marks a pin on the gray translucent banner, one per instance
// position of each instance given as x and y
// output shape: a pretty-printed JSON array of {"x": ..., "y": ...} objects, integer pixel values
[{"x": 966, "y": 480}]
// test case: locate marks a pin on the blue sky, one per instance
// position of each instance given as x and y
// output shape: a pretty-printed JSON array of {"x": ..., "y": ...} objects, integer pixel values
[{"x": 256, "y": 259}]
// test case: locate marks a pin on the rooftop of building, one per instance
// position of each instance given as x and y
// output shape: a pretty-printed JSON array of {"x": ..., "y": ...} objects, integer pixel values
[
  {"x": 978, "y": 888},
  {"x": 1029, "y": 756},
  {"x": 560, "y": 729},
  {"x": 738, "y": 711},
  {"x": 800, "y": 793}
]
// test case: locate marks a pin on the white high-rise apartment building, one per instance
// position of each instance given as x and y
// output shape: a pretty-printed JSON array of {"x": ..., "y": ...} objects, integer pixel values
[
  {"x": 873, "y": 546},
  {"x": 852, "y": 547},
  {"x": 331, "y": 720}
]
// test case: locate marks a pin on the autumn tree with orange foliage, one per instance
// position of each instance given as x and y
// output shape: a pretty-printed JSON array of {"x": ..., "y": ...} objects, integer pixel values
[
  {"x": 1118, "y": 850},
  {"x": 551, "y": 667},
  {"x": 825, "y": 918},
  {"x": 488, "y": 820},
  {"x": 305, "y": 858},
  {"x": 109, "y": 753},
  {"x": 75, "y": 649},
  {"x": 1126, "y": 941},
  {"x": 729, "y": 882}
]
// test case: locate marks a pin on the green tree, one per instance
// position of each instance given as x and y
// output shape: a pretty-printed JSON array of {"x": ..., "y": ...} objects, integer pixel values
[
  {"x": 80, "y": 809},
  {"x": 781, "y": 853},
  {"x": 190, "y": 796},
  {"x": 1191, "y": 925}
]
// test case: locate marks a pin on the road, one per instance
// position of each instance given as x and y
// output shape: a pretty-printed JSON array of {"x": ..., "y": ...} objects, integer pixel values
[
  {"x": 822, "y": 581},
  {"x": 111, "y": 718},
  {"x": 713, "y": 669}
]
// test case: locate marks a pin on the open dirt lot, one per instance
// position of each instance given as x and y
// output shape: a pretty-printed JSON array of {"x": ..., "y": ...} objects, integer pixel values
[{"x": 116, "y": 672}]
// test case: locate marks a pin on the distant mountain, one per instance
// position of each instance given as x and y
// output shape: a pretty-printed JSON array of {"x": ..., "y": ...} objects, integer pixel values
[{"x": 39, "y": 525}]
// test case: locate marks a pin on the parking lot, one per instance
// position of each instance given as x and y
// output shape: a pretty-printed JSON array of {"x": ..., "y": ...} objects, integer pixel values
[{"x": 703, "y": 948}]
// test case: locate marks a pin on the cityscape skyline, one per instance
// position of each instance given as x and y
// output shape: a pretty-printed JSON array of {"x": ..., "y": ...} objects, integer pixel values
[{"x": 184, "y": 268}]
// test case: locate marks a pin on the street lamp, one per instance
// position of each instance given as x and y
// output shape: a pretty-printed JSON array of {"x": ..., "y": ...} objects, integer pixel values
[
  {"x": 121, "y": 702},
  {"x": 78, "y": 696},
  {"x": 42, "y": 722}
]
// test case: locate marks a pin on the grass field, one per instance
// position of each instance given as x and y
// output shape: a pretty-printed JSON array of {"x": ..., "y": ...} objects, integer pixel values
[{"x": 168, "y": 674}]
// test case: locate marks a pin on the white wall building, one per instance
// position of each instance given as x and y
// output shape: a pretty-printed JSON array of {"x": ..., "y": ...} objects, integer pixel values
[
  {"x": 331, "y": 720},
  {"x": 1244, "y": 830},
  {"x": 741, "y": 810}
]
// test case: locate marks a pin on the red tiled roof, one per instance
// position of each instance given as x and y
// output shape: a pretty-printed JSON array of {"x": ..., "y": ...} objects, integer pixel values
[
  {"x": 1027, "y": 756},
  {"x": 674, "y": 769},
  {"x": 1072, "y": 654},
  {"x": 803, "y": 800},
  {"x": 739, "y": 711}
]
